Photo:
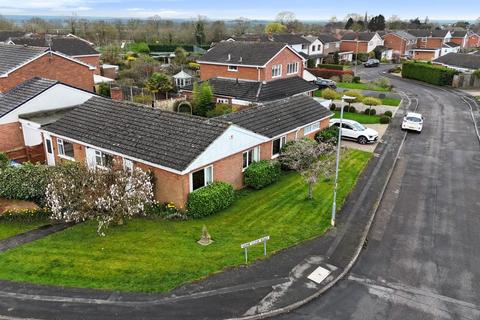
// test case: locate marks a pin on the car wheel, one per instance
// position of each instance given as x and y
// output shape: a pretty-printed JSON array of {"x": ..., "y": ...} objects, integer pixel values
[{"x": 362, "y": 140}]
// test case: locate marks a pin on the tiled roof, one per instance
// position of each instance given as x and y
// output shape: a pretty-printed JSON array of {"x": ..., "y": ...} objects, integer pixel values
[
  {"x": 68, "y": 46},
  {"x": 242, "y": 53},
  {"x": 256, "y": 91},
  {"x": 404, "y": 35},
  {"x": 326, "y": 38},
  {"x": 459, "y": 33},
  {"x": 419, "y": 33},
  {"x": 439, "y": 33},
  {"x": 160, "y": 137},
  {"x": 451, "y": 45},
  {"x": 274, "y": 118},
  {"x": 290, "y": 38},
  {"x": 360, "y": 36},
  {"x": 22, "y": 93},
  {"x": 462, "y": 60},
  {"x": 5, "y": 35},
  {"x": 12, "y": 56}
]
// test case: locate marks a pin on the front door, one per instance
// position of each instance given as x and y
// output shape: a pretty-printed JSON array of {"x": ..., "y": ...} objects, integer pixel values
[{"x": 49, "y": 151}]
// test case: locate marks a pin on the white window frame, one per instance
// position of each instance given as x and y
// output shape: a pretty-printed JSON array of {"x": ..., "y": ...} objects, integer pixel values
[
  {"x": 255, "y": 157},
  {"x": 61, "y": 149},
  {"x": 101, "y": 154},
  {"x": 207, "y": 180},
  {"x": 293, "y": 65},
  {"x": 127, "y": 165},
  {"x": 311, "y": 128},
  {"x": 304, "y": 46},
  {"x": 283, "y": 141},
  {"x": 232, "y": 68},
  {"x": 223, "y": 100},
  {"x": 276, "y": 68}
]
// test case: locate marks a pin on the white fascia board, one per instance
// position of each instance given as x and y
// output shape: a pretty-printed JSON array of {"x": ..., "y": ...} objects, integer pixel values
[
  {"x": 300, "y": 127},
  {"x": 230, "y": 64},
  {"x": 111, "y": 152},
  {"x": 232, "y": 141}
]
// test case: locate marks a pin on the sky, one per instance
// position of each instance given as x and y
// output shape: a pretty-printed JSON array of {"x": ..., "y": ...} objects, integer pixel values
[{"x": 252, "y": 9}]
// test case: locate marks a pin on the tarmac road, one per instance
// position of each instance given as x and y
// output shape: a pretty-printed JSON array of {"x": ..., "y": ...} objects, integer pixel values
[{"x": 423, "y": 255}]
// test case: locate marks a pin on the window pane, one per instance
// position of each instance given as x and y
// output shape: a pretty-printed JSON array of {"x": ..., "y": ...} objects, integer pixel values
[
  {"x": 60, "y": 146},
  {"x": 49, "y": 146},
  {"x": 68, "y": 149},
  {"x": 198, "y": 179},
  {"x": 98, "y": 158},
  {"x": 208, "y": 175},
  {"x": 276, "y": 146},
  {"x": 245, "y": 160},
  {"x": 250, "y": 157}
]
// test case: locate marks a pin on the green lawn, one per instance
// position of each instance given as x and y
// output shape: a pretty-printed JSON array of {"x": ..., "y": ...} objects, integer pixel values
[
  {"x": 359, "y": 117},
  {"x": 11, "y": 228},
  {"x": 155, "y": 255},
  {"x": 391, "y": 102},
  {"x": 361, "y": 86}
]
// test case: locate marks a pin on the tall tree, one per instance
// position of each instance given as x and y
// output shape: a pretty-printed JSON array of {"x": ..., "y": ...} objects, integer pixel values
[
  {"x": 219, "y": 31},
  {"x": 275, "y": 27},
  {"x": 200, "y": 31},
  {"x": 349, "y": 23},
  {"x": 202, "y": 99}
]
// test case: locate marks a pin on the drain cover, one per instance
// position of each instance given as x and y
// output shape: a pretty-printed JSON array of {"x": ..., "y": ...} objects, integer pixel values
[{"x": 319, "y": 274}]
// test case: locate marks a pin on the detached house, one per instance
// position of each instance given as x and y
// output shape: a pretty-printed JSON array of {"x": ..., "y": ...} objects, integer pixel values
[
  {"x": 432, "y": 44},
  {"x": 19, "y": 63},
  {"x": 183, "y": 152},
  {"x": 26, "y": 107},
  {"x": 360, "y": 42},
  {"x": 460, "y": 38},
  {"x": 473, "y": 40},
  {"x": 400, "y": 42}
]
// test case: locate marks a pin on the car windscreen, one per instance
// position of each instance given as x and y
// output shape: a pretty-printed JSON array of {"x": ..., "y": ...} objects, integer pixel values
[
  {"x": 358, "y": 126},
  {"x": 414, "y": 119}
]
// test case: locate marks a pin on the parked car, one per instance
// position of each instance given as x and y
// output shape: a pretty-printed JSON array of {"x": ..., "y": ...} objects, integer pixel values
[
  {"x": 353, "y": 130},
  {"x": 371, "y": 63},
  {"x": 413, "y": 121},
  {"x": 325, "y": 83}
]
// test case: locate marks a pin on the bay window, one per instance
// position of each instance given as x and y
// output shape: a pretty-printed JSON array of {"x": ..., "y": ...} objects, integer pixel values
[{"x": 201, "y": 178}]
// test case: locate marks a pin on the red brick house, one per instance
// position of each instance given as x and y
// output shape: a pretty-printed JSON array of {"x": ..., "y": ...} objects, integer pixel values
[
  {"x": 473, "y": 40},
  {"x": 183, "y": 152},
  {"x": 256, "y": 61},
  {"x": 400, "y": 42},
  {"x": 460, "y": 38},
  {"x": 430, "y": 39},
  {"x": 20, "y": 137},
  {"x": 360, "y": 42},
  {"x": 20, "y": 63}
]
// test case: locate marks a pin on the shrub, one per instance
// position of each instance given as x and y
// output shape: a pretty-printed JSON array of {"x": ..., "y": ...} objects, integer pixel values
[
  {"x": 370, "y": 112},
  {"x": 333, "y": 107},
  {"x": 385, "y": 119},
  {"x": 347, "y": 78},
  {"x": 219, "y": 110},
  {"x": 335, "y": 78},
  {"x": 433, "y": 74},
  {"x": 328, "y": 135},
  {"x": 210, "y": 199},
  {"x": 331, "y": 66},
  {"x": 4, "y": 161},
  {"x": 261, "y": 174},
  {"x": 388, "y": 114},
  {"x": 356, "y": 79},
  {"x": 328, "y": 73},
  {"x": 194, "y": 66},
  {"x": 139, "y": 47},
  {"x": 25, "y": 215},
  {"x": 353, "y": 93},
  {"x": 351, "y": 109},
  {"x": 383, "y": 83},
  {"x": 143, "y": 99},
  {"x": 167, "y": 211},
  {"x": 329, "y": 94},
  {"x": 371, "y": 101}
]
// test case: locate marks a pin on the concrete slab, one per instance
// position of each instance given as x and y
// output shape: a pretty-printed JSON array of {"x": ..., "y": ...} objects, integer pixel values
[{"x": 380, "y": 128}]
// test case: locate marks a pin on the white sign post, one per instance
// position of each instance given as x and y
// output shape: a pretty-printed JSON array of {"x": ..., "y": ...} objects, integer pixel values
[{"x": 254, "y": 242}]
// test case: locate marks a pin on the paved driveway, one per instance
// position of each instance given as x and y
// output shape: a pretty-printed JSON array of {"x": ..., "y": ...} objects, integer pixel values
[
  {"x": 380, "y": 128},
  {"x": 423, "y": 255}
]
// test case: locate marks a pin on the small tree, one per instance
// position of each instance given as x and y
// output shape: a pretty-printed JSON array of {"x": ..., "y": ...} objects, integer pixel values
[
  {"x": 159, "y": 82},
  {"x": 180, "y": 56},
  {"x": 202, "y": 99},
  {"x": 371, "y": 101},
  {"x": 329, "y": 94},
  {"x": 310, "y": 159},
  {"x": 275, "y": 27}
]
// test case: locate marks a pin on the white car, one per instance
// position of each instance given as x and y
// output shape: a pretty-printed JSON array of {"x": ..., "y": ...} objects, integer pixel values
[
  {"x": 355, "y": 131},
  {"x": 413, "y": 121}
]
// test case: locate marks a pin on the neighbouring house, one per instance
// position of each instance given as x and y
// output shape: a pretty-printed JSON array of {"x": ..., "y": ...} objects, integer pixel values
[
  {"x": 460, "y": 37},
  {"x": 449, "y": 47},
  {"x": 330, "y": 43},
  {"x": 71, "y": 46},
  {"x": 427, "y": 39},
  {"x": 183, "y": 152},
  {"x": 5, "y": 36},
  {"x": 360, "y": 42},
  {"x": 460, "y": 61},
  {"x": 473, "y": 40},
  {"x": 257, "y": 61},
  {"x": 425, "y": 54},
  {"x": 182, "y": 79},
  {"x": 19, "y": 63},
  {"x": 401, "y": 42},
  {"x": 242, "y": 93},
  {"x": 22, "y": 140}
]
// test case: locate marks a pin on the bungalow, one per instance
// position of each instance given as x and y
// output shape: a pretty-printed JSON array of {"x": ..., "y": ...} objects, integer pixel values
[
  {"x": 257, "y": 61},
  {"x": 183, "y": 152},
  {"x": 241, "y": 93},
  {"x": 19, "y": 63},
  {"x": 360, "y": 42},
  {"x": 70, "y": 46},
  {"x": 460, "y": 61},
  {"x": 21, "y": 139}
]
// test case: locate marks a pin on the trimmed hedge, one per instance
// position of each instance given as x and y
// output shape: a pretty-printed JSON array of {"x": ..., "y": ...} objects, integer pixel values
[
  {"x": 433, "y": 74},
  {"x": 172, "y": 47},
  {"x": 260, "y": 174},
  {"x": 210, "y": 199},
  {"x": 328, "y": 73},
  {"x": 331, "y": 66},
  {"x": 25, "y": 216}
]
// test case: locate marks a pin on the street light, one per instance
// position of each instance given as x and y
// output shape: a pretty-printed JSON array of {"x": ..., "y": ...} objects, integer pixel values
[{"x": 345, "y": 99}]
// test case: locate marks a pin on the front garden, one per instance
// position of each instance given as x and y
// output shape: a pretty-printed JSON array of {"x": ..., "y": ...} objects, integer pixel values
[{"x": 151, "y": 254}]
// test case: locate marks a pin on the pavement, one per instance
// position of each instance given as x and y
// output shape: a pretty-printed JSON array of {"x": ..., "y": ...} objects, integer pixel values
[
  {"x": 423, "y": 251},
  {"x": 420, "y": 260}
]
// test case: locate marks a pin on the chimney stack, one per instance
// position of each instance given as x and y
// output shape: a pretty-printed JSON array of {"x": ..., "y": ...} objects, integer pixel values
[{"x": 116, "y": 93}]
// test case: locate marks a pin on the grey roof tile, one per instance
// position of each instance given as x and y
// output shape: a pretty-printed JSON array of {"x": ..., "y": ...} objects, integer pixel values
[
  {"x": 361, "y": 36},
  {"x": 164, "y": 138},
  {"x": 274, "y": 118},
  {"x": 12, "y": 56},
  {"x": 68, "y": 46},
  {"x": 462, "y": 60},
  {"x": 22, "y": 93}
]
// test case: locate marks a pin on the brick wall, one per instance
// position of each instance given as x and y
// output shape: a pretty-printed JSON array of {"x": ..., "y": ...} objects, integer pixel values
[
  {"x": 459, "y": 41},
  {"x": 93, "y": 61},
  {"x": 11, "y": 136},
  {"x": 474, "y": 41},
  {"x": 284, "y": 58},
  {"x": 352, "y": 46},
  {"x": 51, "y": 67},
  {"x": 423, "y": 55},
  {"x": 395, "y": 43}
]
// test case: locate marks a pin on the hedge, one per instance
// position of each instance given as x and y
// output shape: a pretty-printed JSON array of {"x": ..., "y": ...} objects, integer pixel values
[
  {"x": 210, "y": 199},
  {"x": 331, "y": 66},
  {"x": 260, "y": 174},
  {"x": 328, "y": 73},
  {"x": 25, "y": 215},
  {"x": 433, "y": 74}
]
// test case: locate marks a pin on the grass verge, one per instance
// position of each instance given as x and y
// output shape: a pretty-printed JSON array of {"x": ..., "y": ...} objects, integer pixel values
[
  {"x": 361, "y": 86},
  {"x": 155, "y": 255}
]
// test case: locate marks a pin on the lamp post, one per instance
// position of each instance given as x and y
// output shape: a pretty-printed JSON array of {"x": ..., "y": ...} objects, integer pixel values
[{"x": 345, "y": 99}]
